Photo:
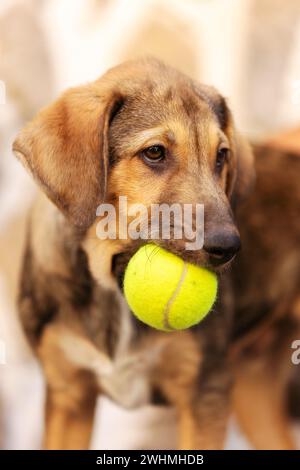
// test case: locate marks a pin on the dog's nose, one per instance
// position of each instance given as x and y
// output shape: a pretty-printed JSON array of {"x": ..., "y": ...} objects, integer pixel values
[{"x": 222, "y": 246}]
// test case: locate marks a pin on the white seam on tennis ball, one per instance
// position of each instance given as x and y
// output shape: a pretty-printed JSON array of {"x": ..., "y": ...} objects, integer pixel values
[{"x": 171, "y": 300}]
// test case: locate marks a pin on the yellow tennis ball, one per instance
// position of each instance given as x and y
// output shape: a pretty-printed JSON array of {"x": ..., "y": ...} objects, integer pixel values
[{"x": 166, "y": 292}]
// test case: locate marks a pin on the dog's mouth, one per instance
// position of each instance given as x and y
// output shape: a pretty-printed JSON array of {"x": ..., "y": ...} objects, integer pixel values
[
  {"x": 216, "y": 263},
  {"x": 119, "y": 264}
]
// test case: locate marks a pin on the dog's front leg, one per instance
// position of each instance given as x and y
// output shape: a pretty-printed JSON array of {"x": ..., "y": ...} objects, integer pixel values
[
  {"x": 71, "y": 394},
  {"x": 202, "y": 424},
  {"x": 70, "y": 416},
  {"x": 197, "y": 384}
]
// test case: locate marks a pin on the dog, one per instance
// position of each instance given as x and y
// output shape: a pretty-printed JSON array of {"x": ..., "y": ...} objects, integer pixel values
[
  {"x": 267, "y": 297},
  {"x": 146, "y": 131}
]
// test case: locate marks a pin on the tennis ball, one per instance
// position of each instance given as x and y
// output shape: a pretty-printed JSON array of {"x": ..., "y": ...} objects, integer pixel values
[{"x": 166, "y": 292}]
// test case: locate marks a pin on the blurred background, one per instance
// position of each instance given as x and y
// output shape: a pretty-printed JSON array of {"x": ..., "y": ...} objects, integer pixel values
[{"x": 248, "y": 49}]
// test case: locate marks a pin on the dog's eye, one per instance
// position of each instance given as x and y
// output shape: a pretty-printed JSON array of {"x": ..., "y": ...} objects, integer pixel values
[
  {"x": 153, "y": 154},
  {"x": 222, "y": 156}
]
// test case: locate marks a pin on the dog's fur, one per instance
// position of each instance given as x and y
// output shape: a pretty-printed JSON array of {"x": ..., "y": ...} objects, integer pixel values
[
  {"x": 85, "y": 149},
  {"x": 267, "y": 296}
]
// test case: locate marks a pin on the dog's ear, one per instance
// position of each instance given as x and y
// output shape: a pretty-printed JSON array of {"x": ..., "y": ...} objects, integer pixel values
[
  {"x": 241, "y": 164},
  {"x": 245, "y": 172},
  {"x": 243, "y": 175},
  {"x": 66, "y": 149}
]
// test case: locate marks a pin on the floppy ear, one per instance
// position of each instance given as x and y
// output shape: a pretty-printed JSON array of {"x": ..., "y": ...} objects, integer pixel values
[
  {"x": 241, "y": 166},
  {"x": 66, "y": 149},
  {"x": 243, "y": 177}
]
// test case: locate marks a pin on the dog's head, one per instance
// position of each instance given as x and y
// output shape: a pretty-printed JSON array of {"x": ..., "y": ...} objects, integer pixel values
[{"x": 147, "y": 132}]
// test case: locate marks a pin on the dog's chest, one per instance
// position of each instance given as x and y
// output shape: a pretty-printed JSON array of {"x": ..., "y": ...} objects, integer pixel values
[
  {"x": 126, "y": 377},
  {"x": 127, "y": 382}
]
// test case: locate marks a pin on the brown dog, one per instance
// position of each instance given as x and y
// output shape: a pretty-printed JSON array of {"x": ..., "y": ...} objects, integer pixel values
[
  {"x": 145, "y": 131},
  {"x": 267, "y": 295}
]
